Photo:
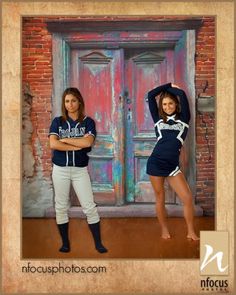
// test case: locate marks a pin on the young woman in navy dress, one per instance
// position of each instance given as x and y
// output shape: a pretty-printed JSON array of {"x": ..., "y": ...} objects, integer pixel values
[
  {"x": 171, "y": 117},
  {"x": 71, "y": 138}
]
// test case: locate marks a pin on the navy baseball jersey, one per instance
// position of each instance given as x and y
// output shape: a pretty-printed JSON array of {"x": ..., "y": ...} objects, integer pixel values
[
  {"x": 72, "y": 129},
  {"x": 164, "y": 160}
]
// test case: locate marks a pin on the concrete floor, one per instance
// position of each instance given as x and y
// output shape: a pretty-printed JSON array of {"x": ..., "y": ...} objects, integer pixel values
[{"x": 124, "y": 238}]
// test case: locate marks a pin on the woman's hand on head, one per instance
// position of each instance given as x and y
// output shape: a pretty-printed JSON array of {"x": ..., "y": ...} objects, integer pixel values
[{"x": 174, "y": 85}]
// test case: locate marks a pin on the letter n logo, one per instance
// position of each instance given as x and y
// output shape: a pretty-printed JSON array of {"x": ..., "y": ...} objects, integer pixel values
[{"x": 214, "y": 253}]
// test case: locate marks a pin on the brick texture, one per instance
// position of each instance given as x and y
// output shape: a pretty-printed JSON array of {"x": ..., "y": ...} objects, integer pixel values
[
  {"x": 205, "y": 122},
  {"x": 37, "y": 76}
]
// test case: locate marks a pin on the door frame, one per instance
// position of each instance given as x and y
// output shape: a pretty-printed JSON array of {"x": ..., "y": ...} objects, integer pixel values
[{"x": 67, "y": 35}]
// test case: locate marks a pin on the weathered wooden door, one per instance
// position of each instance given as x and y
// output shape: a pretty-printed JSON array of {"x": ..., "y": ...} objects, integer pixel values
[
  {"x": 114, "y": 64},
  {"x": 99, "y": 76},
  {"x": 114, "y": 74},
  {"x": 144, "y": 70},
  {"x": 114, "y": 84}
]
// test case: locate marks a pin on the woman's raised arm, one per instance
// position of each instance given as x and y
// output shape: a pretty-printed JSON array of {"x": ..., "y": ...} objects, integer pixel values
[
  {"x": 184, "y": 105},
  {"x": 152, "y": 100}
]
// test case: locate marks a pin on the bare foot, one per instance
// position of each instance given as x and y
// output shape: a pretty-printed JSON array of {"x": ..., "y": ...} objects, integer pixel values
[
  {"x": 193, "y": 237},
  {"x": 165, "y": 234}
]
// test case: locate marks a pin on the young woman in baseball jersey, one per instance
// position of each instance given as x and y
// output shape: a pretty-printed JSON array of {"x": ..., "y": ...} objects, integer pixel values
[
  {"x": 71, "y": 137},
  {"x": 171, "y": 118}
]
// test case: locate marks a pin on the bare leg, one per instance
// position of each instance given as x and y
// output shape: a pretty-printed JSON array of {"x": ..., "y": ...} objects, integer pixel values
[
  {"x": 180, "y": 186},
  {"x": 158, "y": 186}
]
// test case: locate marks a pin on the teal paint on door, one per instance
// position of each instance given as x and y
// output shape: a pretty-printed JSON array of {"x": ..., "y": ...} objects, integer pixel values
[
  {"x": 98, "y": 73},
  {"x": 144, "y": 70},
  {"x": 114, "y": 83}
]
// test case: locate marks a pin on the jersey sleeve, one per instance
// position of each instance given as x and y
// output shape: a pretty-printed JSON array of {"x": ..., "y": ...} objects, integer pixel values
[
  {"x": 54, "y": 128},
  {"x": 152, "y": 100},
  {"x": 91, "y": 127},
  {"x": 184, "y": 105}
]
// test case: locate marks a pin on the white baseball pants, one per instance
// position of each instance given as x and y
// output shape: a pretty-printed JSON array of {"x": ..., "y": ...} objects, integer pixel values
[{"x": 62, "y": 178}]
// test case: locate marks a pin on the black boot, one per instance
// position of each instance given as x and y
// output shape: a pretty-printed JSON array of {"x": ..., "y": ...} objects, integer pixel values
[
  {"x": 63, "y": 229},
  {"x": 95, "y": 230}
]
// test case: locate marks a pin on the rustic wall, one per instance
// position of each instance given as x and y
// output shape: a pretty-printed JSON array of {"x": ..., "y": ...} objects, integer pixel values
[
  {"x": 37, "y": 189},
  {"x": 37, "y": 84},
  {"x": 205, "y": 116},
  {"x": 37, "y": 75}
]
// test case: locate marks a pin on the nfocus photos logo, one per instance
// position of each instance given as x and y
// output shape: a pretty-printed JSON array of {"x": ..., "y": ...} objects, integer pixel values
[{"x": 214, "y": 260}]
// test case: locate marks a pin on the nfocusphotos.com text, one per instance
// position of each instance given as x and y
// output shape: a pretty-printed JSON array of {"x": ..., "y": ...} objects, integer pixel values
[{"x": 59, "y": 269}]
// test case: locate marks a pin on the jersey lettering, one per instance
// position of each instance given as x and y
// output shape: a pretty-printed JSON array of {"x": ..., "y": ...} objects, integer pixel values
[
  {"x": 74, "y": 132},
  {"x": 177, "y": 126}
]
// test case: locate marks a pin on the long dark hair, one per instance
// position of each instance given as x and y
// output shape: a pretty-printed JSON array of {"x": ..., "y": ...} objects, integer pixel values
[
  {"x": 166, "y": 94},
  {"x": 76, "y": 93}
]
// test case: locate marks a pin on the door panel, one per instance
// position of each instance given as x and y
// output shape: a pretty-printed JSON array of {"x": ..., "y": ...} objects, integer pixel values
[
  {"x": 144, "y": 71},
  {"x": 98, "y": 75},
  {"x": 96, "y": 84}
]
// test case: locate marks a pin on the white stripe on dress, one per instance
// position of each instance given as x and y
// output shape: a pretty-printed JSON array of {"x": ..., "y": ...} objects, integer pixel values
[{"x": 173, "y": 173}]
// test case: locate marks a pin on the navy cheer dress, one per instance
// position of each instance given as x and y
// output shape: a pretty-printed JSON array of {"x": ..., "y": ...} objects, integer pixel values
[{"x": 164, "y": 160}]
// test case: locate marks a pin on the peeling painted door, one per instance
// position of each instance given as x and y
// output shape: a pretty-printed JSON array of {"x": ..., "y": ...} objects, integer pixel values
[
  {"x": 114, "y": 64},
  {"x": 99, "y": 76},
  {"x": 114, "y": 84},
  {"x": 145, "y": 69}
]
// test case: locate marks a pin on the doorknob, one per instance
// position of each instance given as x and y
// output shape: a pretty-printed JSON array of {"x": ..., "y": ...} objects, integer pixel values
[
  {"x": 126, "y": 96},
  {"x": 129, "y": 115}
]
